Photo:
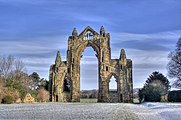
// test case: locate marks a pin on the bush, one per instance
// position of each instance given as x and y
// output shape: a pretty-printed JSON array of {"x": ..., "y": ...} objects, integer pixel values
[
  {"x": 7, "y": 100},
  {"x": 174, "y": 96},
  {"x": 13, "y": 93},
  {"x": 151, "y": 93},
  {"x": 2, "y": 94},
  {"x": 22, "y": 90},
  {"x": 34, "y": 93},
  {"x": 43, "y": 95}
]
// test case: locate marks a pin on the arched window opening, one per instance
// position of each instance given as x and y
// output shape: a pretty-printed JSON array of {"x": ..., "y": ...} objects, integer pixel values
[
  {"x": 66, "y": 85},
  {"x": 113, "y": 92},
  {"x": 88, "y": 36},
  {"x": 113, "y": 85}
]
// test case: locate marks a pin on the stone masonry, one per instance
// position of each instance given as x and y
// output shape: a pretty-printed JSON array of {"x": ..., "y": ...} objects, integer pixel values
[{"x": 65, "y": 75}]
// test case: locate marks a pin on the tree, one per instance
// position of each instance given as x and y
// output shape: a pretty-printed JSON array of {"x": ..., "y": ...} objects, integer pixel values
[
  {"x": 13, "y": 77},
  {"x": 156, "y": 85},
  {"x": 44, "y": 82},
  {"x": 158, "y": 79},
  {"x": 11, "y": 69},
  {"x": 37, "y": 81},
  {"x": 35, "y": 78},
  {"x": 174, "y": 65},
  {"x": 6, "y": 67}
]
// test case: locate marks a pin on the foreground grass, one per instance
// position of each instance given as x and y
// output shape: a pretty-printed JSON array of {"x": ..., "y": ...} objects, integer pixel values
[{"x": 126, "y": 115}]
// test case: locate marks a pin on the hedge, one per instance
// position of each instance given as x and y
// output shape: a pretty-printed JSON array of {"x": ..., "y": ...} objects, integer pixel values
[{"x": 174, "y": 96}]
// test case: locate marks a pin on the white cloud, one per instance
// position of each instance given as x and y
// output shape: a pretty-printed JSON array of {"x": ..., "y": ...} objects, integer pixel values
[
  {"x": 40, "y": 45},
  {"x": 168, "y": 35}
]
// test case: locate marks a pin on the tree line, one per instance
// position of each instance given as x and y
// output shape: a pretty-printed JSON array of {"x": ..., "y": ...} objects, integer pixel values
[{"x": 15, "y": 83}]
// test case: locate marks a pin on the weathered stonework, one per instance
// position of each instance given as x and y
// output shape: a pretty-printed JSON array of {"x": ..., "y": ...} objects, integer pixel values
[
  {"x": 28, "y": 98},
  {"x": 65, "y": 75}
]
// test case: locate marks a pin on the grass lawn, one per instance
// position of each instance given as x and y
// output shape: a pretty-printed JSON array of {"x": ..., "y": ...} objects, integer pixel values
[
  {"x": 135, "y": 100},
  {"x": 88, "y": 100},
  {"x": 94, "y": 100}
]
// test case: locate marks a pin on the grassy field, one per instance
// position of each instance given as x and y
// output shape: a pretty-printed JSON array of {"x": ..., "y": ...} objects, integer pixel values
[
  {"x": 88, "y": 100},
  {"x": 94, "y": 100},
  {"x": 136, "y": 100}
]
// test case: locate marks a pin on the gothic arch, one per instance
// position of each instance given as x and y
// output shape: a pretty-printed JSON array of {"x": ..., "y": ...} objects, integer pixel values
[
  {"x": 112, "y": 74},
  {"x": 80, "y": 49}
]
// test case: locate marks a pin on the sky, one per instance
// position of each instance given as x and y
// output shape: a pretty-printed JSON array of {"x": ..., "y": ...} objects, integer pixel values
[{"x": 34, "y": 30}]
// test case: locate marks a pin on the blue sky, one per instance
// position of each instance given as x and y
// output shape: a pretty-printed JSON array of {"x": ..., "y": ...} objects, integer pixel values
[{"x": 34, "y": 30}]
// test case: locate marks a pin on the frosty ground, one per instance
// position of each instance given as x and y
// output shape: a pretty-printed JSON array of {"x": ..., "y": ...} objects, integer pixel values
[{"x": 91, "y": 111}]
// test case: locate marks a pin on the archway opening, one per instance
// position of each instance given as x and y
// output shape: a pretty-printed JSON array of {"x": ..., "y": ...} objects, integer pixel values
[
  {"x": 88, "y": 76},
  {"x": 66, "y": 89},
  {"x": 66, "y": 85},
  {"x": 113, "y": 89}
]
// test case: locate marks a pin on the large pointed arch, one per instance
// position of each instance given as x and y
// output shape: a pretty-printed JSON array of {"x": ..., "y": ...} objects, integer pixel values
[{"x": 84, "y": 45}]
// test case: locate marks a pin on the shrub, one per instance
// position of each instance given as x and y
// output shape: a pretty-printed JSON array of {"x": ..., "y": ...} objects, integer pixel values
[
  {"x": 2, "y": 94},
  {"x": 7, "y": 100},
  {"x": 22, "y": 90},
  {"x": 43, "y": 95},
  {"x": 151, "y": 93},
  {"x": 34, "y": 93},
  {"x": 13, "y": 93},
  {"x": 174, "y": 96}
]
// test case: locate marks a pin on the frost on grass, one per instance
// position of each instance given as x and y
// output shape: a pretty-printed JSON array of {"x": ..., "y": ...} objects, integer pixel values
[{"x": 126, "y": 115}]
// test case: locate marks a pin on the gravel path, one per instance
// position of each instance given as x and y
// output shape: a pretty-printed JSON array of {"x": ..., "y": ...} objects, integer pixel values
[{"x": 91, "y": 111}]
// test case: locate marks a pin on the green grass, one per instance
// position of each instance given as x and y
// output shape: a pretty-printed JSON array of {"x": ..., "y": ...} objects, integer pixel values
[
  {"x": 94, "y": 100},
  {"x": 88, "y": 100},
  {"x": 136, "y": 100}
]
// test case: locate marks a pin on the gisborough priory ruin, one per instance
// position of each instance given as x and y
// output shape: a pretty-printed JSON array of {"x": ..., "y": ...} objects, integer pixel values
[{"x": 64, "y": 84}]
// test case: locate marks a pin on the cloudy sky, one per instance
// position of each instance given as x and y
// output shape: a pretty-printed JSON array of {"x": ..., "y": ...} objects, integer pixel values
[{"x": 34, "y": 30}]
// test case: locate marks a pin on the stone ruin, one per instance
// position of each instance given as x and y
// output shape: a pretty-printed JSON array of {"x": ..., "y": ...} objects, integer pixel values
[
  {"x": 64, "y": 77},
  {"x": 28, "y": 98}
]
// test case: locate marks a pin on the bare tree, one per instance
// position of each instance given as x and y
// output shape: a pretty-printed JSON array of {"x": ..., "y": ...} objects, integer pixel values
[
  {"x": 12, "y": 69},
  {"x": 19, "y": 65},
  {"x": 6, "y": 66},
  {"x": 174, "y": 65}
]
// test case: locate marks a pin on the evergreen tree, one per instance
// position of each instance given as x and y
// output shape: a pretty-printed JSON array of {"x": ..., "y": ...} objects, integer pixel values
[
  {"x": 156, "y": 86},
  {"x": 35, "y": 78}
]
